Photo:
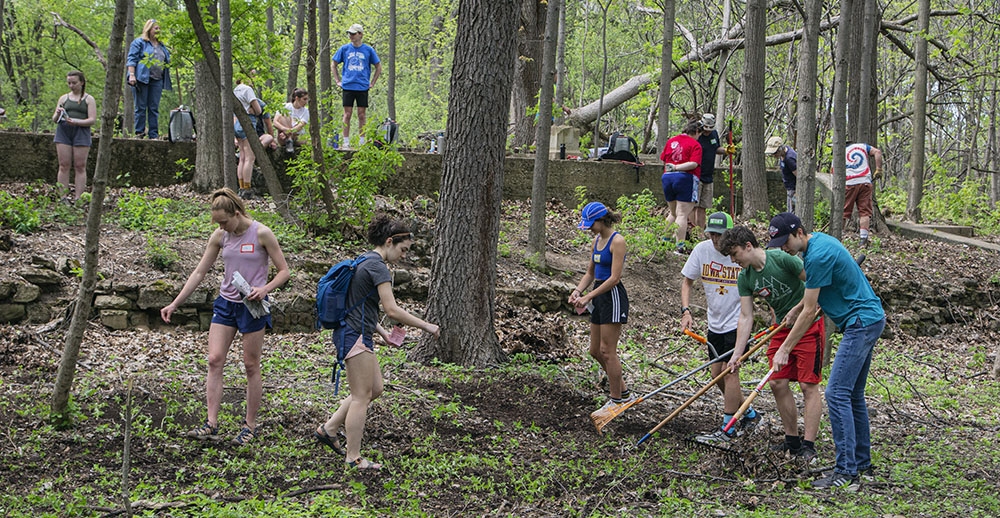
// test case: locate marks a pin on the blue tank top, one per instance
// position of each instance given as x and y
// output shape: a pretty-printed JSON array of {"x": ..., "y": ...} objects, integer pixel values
[{"x": 602, "y": 259}]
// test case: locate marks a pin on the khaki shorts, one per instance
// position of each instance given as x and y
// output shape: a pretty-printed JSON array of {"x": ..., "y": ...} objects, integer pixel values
[
  {"x": 705, "y": 199},
  {"x": 860, "y": 194}
]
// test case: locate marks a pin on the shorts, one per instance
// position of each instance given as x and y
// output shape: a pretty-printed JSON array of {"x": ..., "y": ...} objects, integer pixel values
[
  {"x": 235, "y": 314},
  {"x": 705, "y": 195},
  {"x": 860, "y": 194},
  {"x": 76, "y": 136},
  {"x": 359, "y": 96},
  {"x": 356, "y": 344},
  {"x": 805, "y": 363},
  {"x": 238, "y": 129},
  {"x": 680, "y": 186},
  {"x": 722, "y": 342},
  {"x": 610, "y": 307}
]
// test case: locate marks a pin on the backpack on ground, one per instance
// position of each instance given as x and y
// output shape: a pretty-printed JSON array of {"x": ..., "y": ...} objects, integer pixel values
[
  {"x": 388, "y": 133},
  {"x": 623, "y": 148},
  {"x": 181, "y": 125},
  {"x": 332, "y": 309}
]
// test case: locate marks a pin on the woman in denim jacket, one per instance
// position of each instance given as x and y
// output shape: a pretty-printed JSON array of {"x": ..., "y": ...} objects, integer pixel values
[{"x": 149, "y": 74}]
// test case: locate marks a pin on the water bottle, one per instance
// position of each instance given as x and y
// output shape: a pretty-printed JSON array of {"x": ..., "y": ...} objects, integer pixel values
[
  {"x": 336, "y": 140},
  {"x": 433, "y": 142},
  {"x": 562, "y": 151}
]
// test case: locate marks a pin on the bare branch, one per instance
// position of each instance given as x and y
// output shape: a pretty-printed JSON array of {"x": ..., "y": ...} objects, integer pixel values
[{"x": 97, "y": 49}]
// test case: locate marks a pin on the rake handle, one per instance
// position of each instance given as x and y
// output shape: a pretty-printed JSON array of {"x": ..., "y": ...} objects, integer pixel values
[{"x": 748, "y": 401}]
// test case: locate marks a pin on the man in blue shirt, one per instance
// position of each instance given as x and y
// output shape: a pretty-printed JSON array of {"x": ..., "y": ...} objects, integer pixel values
[
  {"x": 788, "y": 163},
  {"x": 835, "y": 282},
  {"x": 358, "y": 59}
]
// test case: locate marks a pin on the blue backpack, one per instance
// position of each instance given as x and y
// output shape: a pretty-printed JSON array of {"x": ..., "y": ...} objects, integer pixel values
[{"x": 332, "y": 310}]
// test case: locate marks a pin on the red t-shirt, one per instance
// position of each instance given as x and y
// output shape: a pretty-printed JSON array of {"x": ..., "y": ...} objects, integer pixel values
[{"x": 680, "y": 149}]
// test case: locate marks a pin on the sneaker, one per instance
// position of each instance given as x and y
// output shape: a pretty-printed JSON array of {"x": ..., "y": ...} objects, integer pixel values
[
  {"x": 748, "y": 425},
  {"x": 867, "y": 474},
  {"x": 716, "y": 437},
  {"x": 289, "y": 146},
  {"x": 246, "y": 435},
  {"x": 783, "y": 448},
  {"x": 681, "y": 248},
  {"x": 806, "y": 453},
  {"x": 204, "y": 432},
  {"x": 837, "y": 480}
]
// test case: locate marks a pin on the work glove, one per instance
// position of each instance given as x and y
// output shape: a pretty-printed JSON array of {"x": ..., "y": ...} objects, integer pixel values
[{"x": 731, "y": 149}]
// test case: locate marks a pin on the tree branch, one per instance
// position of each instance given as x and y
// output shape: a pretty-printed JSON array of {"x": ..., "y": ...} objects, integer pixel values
[{"x": 97, "y": 49}]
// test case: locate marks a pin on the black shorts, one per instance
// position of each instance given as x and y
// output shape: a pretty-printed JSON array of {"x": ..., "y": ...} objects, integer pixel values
[
  {"x": 610, "y": 307},
  {"x": 359, "y": 96},
  {"x": 723, "y": 343}
]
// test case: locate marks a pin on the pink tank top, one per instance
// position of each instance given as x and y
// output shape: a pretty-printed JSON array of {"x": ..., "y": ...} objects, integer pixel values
[{"x": 243, "y": 253}]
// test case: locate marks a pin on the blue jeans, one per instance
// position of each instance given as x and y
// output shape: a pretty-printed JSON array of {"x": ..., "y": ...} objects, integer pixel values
[
  {"x": 147, "y": 100},
  {"x": 845, "y": 397}
]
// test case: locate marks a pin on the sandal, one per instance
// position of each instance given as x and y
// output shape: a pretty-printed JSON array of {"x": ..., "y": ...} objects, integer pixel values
[
  {"x": 246, "y": 435},
  {"x": 363, "y": 463},
  {"x": 205, "y": 431},
  {"x": 333, "y": 442}
]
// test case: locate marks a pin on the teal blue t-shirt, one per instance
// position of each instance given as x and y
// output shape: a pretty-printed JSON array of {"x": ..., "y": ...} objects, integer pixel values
[{"x": 844, "y": 292}]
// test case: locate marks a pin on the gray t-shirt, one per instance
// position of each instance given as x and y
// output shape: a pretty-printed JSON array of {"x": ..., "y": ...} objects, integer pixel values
[
  {"x": 366, "y": 279},
  {"x": 156, "y": 67}
]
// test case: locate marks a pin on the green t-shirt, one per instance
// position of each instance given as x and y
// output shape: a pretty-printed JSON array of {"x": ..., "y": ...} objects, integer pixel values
[{"x": 777, "y": 283}]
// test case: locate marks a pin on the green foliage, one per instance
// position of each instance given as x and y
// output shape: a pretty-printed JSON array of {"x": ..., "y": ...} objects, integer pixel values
[
  {"x": 645, "y": 232},
  {"x": 159, "y": 253},
  {"x": 21, "y": 215},
  {"x": 948, "y": 199},
  {"x": 178, "y": 218}
]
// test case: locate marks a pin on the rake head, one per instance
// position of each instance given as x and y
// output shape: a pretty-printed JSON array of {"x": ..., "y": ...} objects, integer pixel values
[{"x": 602, "y": 416}]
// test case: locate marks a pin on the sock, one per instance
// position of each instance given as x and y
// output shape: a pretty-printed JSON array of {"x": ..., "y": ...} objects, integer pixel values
[
  {"x": 794, "y": 442},
  {"x": 864, "y": 233},
  {"x": 726, "y": 418},
  {"x": 242, "y": 185},
  {"x": 750, "y": 413},
  {"x": 810, "y": 444},
  {"x": 626, "y": 393}
]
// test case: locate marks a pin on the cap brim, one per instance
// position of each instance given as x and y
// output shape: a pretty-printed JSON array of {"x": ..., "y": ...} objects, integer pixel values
[
  {"x": 585, "y": 224},
  {"x": 778, "y": 241},
  {"x": 717, "y": 230},
  {"x": 770, "y": 150}
]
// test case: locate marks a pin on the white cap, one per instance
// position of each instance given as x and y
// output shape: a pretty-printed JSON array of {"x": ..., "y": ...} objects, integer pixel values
[
  {"x": 708, "y": 122},
  {"x": 773, "y": 144},
  {"x": 355, "y": 29}
]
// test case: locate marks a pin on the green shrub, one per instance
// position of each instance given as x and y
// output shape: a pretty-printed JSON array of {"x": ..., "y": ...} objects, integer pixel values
[
  {"x": 159, "y": 253},
  {"x": 21, "y": 215},
  {"x": 178, "y": 218},
  {"x": 645, "y": 232}
]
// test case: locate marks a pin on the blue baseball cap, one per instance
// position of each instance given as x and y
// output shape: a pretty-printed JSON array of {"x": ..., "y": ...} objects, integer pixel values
[
  {"x": 591, "y": 213},
  {"x": 781, "y": 227}
]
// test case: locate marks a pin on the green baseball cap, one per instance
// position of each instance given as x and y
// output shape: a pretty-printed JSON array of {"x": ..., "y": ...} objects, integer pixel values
[{"x": 719, "y": 223}]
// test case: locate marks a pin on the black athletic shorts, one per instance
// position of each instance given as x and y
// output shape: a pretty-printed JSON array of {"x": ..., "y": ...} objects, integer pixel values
[
  {"x": 610, "y": 307},
  {"x": 360, "y": 96},
  {"x": 723, "y": 343}
]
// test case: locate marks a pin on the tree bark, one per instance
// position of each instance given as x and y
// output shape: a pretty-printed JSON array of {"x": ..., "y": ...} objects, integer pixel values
[
  {"x": 527, "y": 70},
  {"x": 839, "y": 171},
  {"x": 128, "y": 102},
  {"x": 228, "y": 101},
  {"x": 994, "y": 138},
  {"x": 325, "y": 72},
  {"x": 561, "y": 63},
  {"x": 755, "y": 200},
  {"x": 208, "y": 168},
  {"x": 463, "y": 275},
  {"x": 604, "y": 73},
  {"x": 295, "y": 58},
  {"x": 81, "y": 313},
  {"x": 805, "y": 188},
  {"x": 540, "y": 176},
  {"x": 315, "y": 139},
  {"x": 666, "y": 75},
  {"x": 866, "y": 77},
  {"x": 916, "y": 191},
  {"x": 391, "y": 76},
  {"x": 723, "y": 61}
]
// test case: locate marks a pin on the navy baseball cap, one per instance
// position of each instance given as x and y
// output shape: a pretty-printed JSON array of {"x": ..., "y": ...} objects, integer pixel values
[
  {"x": 592, "y": 212},
  {"x": 781, "y": 227}
]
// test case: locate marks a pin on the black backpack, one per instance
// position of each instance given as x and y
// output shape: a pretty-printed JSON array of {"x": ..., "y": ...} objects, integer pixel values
[
  {"x": 181, "y": 125},
  {"x": 622, "y": 148}
]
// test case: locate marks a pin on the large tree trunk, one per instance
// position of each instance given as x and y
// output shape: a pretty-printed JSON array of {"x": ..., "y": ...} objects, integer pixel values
[
  {"x": 805, "y": 189},
  {"x": 720, "y": 91},
  {"x": 228, "y": 100},
  {"x": 866, "y": 77},
  {"x": 755, "y": 200},
  {"x": 840, "y": 121},
  {"x": 294, "y": 59},
  {"x": 916, "y": 191},
  {"x": 391, "y": 76},
  {"x": 463, "y": 275},
  {"x": 540, "y": 176},
  {"x": 315, "y": 140},
  {"x": 208, "y": 168},
  {"x": 325, "y": 72},
  {"x": 666, "y": 75},
  {"x": 81, "y": 313},
  {"x": 128, "y": 101},
  {"x": 527, "y": 70}
]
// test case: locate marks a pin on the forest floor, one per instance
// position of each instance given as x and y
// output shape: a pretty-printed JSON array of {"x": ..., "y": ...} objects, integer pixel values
[{"x": 511, "y": 440}]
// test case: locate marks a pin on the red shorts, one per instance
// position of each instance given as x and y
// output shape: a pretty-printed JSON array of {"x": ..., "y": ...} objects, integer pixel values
[{"x": 805, "y": 363}]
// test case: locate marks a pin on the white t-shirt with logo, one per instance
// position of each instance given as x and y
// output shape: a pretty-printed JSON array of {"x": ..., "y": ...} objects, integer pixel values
[
  {"x": 299, "y": 115},
  {"x": 718, "y": 274},
  {"x": 858, "y": 170}
]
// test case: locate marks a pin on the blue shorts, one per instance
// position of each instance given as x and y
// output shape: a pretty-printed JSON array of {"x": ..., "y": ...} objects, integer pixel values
[
  {"x": 680, "y": 186},
  {"x": 350, "y": 337},
  {"x": 235, "y": 314},
  {"x": 238, "y": 130}
]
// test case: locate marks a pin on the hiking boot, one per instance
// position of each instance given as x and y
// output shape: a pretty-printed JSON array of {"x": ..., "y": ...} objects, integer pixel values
[
  {"x": 204, "y": 432},
  {"x": 837, "y": 480},
  {"x": 806, "y": 453},
  {"x": 716, "y": 437},
  {"x": 747, "y": 424}
]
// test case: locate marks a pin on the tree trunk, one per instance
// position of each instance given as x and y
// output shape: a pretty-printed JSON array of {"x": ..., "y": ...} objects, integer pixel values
[
  {"x": 994, "y": 163},
  {"x": 561, "y": 63},
  {"x": 527, "y": 70},
  {"x": 540, "y": 176},
  {"x": 434, "y": 62},
  {"x": 81, "y": 313},
  {"x": 325, "y": 72},
  {"x": 463, "y": 274},
  {"x": 208, "y": 168},
  {"x": 755, "y": 200},
  {"x": 866, "y": 75},
  {"x": 723, "y": 61},
  {"x": 391, "y": 76},
  {"x": 269, "y": 25},
  {"x": 315, "y": 139},
  {"x": 916, "y": 191},
  {"x": 666, "y": 75},
  {"x": 128, "y": 101},
  {"x": 855, "y": 44},
  {"x": 294, "y": 59},
  {"x": 226, "y": 94},
  {"x": 604, "y": 74},
  {"x": 840, "y": 121},
  {"x": 805, "y": 189},
  {"x": 262, "y": 159}
]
